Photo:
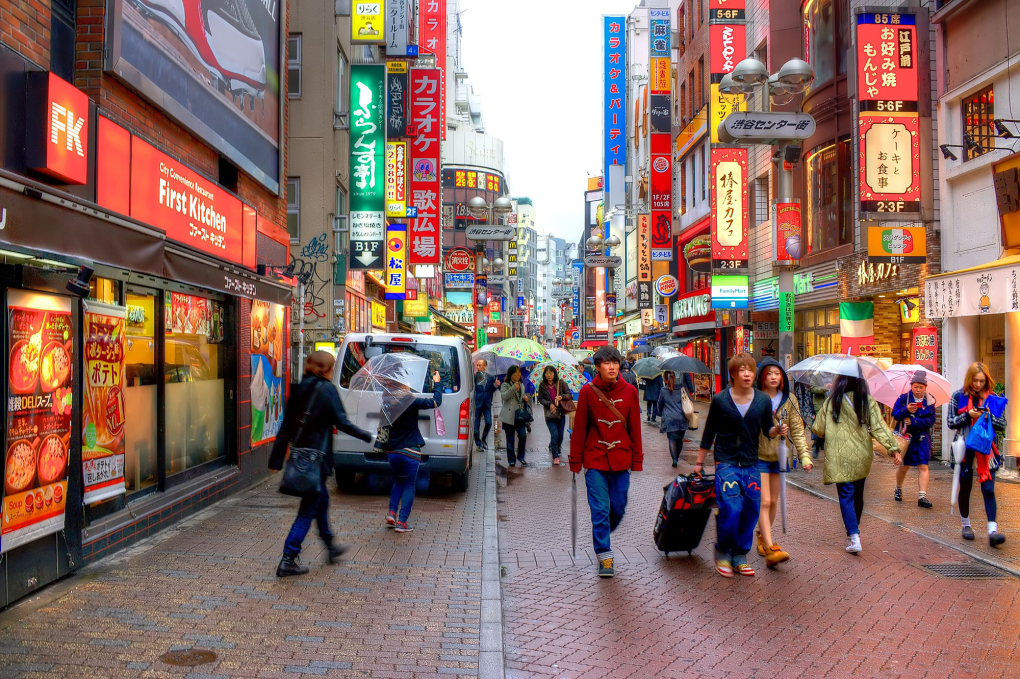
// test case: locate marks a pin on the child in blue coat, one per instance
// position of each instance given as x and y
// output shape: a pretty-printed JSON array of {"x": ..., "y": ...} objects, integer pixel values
[{"x": 916, "y": 411}]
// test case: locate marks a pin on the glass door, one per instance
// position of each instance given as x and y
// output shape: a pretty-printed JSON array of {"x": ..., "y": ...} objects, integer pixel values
[{"x": 141, "y": 470}]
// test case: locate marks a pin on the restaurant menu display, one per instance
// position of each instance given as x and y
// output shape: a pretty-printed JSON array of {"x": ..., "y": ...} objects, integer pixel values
[
  {"x": 191, "y": 315},
  {"x": 267, "y": 370},
  {"x": 102, "y": 448},
  {"x": 38, "y": 417}
]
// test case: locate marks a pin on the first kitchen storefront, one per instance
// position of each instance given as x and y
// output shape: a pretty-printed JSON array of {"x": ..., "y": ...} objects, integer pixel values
[{"x": 146, "y": 388}]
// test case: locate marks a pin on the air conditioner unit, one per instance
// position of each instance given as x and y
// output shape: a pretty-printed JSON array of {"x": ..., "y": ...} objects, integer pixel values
[
  {"x": 340, "y": 224},
  {"x": 341, "y": 121}
]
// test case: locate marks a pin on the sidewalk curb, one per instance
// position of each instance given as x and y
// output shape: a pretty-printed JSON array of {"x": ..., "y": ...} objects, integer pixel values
[
  {"x": 963, "y": 550},
  {"x": 490, "y": 654}
]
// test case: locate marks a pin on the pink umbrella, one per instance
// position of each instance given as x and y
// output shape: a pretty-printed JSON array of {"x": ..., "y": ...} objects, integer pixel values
[{"x": 897, "y": 381}]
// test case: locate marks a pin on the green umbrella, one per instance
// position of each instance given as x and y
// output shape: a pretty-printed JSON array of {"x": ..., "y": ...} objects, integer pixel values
[{"x": 647, "y": 368}]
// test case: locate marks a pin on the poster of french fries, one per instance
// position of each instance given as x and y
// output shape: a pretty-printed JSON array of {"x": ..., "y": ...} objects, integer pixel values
[{"x": 102, "y": 448}]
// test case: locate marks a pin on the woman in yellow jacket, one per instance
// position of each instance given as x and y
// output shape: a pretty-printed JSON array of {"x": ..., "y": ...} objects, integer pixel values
[
  {"x": 848, "y": 421},
  {"x": 772, "y": 380}
]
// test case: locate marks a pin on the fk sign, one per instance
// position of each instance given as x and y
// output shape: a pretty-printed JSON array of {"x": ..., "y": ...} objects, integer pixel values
[{"x": 57, "y": 128}]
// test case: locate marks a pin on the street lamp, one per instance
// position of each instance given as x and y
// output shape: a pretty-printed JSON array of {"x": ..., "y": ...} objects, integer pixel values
[{"x": 479, "y": 209}]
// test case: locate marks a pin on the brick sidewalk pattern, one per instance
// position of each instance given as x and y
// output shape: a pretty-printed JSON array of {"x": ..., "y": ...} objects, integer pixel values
[
  {"x": 395, "y": 606},
  {"x": 825, "y": 613}
]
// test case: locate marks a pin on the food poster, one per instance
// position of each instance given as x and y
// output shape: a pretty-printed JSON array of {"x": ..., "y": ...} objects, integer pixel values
[
  {"x": 102, "y": 448},
  {"x": 191, "y": 315},
  {"x": 38, "y": 416},
  {"x": 268, "y": 365}
]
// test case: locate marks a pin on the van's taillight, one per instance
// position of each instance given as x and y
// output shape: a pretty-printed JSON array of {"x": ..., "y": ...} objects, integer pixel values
[
  {"x": 401, "y": 339},
  {"x": 465, "y": 412}
]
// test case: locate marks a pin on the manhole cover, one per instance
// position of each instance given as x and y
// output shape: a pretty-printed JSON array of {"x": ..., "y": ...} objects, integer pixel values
[
  {"x": 965, "y": 571},
  {"x": 189, "y": 658}
]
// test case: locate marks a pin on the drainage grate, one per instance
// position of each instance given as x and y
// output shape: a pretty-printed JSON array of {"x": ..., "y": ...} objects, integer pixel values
[
  {"x": 965, "y": 571},
  {"x": 189, "y": 658}
]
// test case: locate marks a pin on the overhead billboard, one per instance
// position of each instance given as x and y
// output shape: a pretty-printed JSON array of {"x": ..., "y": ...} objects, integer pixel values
[{"x": 214, "y": 68}]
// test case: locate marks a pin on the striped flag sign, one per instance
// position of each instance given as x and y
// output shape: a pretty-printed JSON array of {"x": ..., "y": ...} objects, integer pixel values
[
  {"x": 904, "y": 245},
  {"x": 856, "y": 325}
]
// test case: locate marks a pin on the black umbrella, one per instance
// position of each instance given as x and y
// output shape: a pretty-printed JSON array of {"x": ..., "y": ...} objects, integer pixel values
[{"x": 684, "y": 364}]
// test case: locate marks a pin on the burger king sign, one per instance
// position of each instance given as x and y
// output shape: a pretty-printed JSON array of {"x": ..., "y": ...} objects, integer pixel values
[{"x": 666, "y": 286}]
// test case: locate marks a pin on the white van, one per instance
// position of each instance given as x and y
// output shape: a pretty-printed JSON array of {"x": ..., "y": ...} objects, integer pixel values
[{"x": 450, "y": 453}]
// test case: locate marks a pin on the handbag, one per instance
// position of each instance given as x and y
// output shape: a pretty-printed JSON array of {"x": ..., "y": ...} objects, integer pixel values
[
  {"x": 523, "y": 415},
  {"x": 692, "y": 415},
  {"x": 567, "y": 404},
  {"x": 303, "y": 473},
  {"x": 981, "y": 435}
]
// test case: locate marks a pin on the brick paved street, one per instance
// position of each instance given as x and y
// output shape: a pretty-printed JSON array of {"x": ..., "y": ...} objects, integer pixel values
[
  {"x": 825, "y": 613},
  {"x": 396, "y": 606}
]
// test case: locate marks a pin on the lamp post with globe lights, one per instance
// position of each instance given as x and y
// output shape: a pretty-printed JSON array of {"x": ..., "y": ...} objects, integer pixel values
[{"x": 479, "y": 209}]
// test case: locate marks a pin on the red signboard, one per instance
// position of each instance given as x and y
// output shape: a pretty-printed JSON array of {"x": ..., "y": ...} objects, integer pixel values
[
  {"x": 924, "y": 348},
  {"x": 788, "y": 247},
  {"x": 886, "y": 57},
  {"x": 459, "y": 260},
  {"x": 57, "y": 128},
  {"x": 113, "y": 185},
  {"x": 890, "y": 162},
  {"x": 729, "y": 208},
  {"x": 727, "y": 46},
  {"x": 726, "y": 4},
  {"x": 662, "y": 197},
  {"x": 424, "y": 186},
  {"x": 432, "y": 24}
]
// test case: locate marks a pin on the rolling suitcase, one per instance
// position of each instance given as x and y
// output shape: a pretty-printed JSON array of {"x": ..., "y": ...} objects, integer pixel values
[{"x": 686, "y": 505}]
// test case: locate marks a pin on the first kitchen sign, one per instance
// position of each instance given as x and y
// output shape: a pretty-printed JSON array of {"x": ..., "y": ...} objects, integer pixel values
[{"x": 57, "y": 128}]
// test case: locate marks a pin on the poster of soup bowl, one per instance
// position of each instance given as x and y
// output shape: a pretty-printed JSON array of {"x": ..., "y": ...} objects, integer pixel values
[
  {"x": 268, "y": 365},
  {"x": 39, "y": 367}
]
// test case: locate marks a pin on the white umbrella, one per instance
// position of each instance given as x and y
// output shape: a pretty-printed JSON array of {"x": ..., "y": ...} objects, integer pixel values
[
  {"x": 899, "y": 378},
  {"x": 557, "y": 354}
]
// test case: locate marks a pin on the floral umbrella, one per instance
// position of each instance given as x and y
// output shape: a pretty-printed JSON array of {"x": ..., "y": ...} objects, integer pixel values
[
  {"x": 568, "y": 373},
  {"x": 519, "y": 348}
]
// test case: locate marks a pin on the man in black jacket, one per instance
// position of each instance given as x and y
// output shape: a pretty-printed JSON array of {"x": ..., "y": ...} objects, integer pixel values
[{"x": 317, "y": 397}]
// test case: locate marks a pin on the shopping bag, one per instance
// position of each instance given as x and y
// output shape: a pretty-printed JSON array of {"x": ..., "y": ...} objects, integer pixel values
[{"x": 981, "y": 435}]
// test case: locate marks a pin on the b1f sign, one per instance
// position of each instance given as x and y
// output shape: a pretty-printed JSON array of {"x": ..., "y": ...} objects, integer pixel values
[{"x": 57, "y": 128}]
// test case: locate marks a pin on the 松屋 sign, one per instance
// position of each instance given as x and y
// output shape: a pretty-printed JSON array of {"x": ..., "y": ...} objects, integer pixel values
[
  {"x": 368, "y": 165},
  {"x": 888, "y": 126},
  {"x": 901, "y": 245},
  {"x": 396, "y": 261},
  {"x": 57, "y": 128},
  {"x": 729, "y": 209}
]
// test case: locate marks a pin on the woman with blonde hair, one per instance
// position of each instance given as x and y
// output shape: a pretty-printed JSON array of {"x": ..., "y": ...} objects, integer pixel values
[{"x": 965, "y": 408}]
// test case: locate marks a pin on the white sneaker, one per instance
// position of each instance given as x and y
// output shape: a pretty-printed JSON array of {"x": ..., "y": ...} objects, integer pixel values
[{"x": 854, "y": 544}]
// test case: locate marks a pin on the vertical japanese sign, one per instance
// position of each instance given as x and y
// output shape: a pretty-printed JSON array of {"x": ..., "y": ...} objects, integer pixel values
[
  {"x": 396, "y": 99},
  {"x": 426, "y": 95},
  {"x": 785, "y": 312},
  {"x": 432, "y": 29},
  {"x": 38, "y": 416},
  {"x": 787, "y": 236},
  {"x": 729, "y": 208},
  {"x": 662, "y": 198},
  {"x": 601, "y": 313},
  {"x": 398, "y": 26},
  {"x": 614, "y": 126},
  {"x": 889, "y": 178},
  {"x": 368, "y": 181},
  {"x": 268, "y": 364},
  {"x": 396, "y": 261},
  {"x": 924, "y": 347},
  {"x": 576, "y": 272},
  {"x": 721, "y": 105},
  {"x": 367, "y": 22},
  {"x": 396, "y": 178},
  {"x": 644, "y": 248},
  {"x": 102, "y": 441}
]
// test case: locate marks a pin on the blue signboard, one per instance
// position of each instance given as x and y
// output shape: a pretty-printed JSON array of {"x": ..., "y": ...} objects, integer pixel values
[
  {"x": 614, "y": 102},
  {"x": 659, "y": 38},
  {"x": 460, "y": 280}
]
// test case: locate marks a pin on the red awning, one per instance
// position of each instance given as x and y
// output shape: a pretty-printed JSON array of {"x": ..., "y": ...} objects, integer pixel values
[{"x": 591, "y": 344}]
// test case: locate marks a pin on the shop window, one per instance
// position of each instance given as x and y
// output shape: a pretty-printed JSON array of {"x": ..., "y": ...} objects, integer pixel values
[
  {"x": 809, "y": 320},
  {"x": 833, "y": 316},
  {"x": 195, "y": 369},
  {"x": 294, "y": 66},
  {"x": 829, "y": 196},
  {"x": 978, "y": 112},
  {"x": 820, "y": 318},
  {"x": 294, "y": 209},
  {"x": 820, "y": 29},
  {"x": 843, "y": 37},
  {"x": 104, "y": 290},
  {"x": 140, "y": 444},
  {"x": 341, "y": 83}
]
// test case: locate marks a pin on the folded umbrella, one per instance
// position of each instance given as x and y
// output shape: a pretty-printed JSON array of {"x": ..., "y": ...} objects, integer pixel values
[
  {"x": 784, "y": 467},
  {"x": 573, "y": 514}
]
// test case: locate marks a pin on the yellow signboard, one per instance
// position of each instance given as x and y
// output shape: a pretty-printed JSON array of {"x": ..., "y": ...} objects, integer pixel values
[
  {"x": 378, "y": 315},
  {"x": 367, "y": 23},
  {"x": 661, "y": 71},
  {"x": 416, "y": 308},
  {"x": 721, "y": 106}
]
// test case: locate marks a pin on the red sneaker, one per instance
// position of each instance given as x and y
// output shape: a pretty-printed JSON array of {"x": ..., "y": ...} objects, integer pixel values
[{"x": 391, "y": 519}]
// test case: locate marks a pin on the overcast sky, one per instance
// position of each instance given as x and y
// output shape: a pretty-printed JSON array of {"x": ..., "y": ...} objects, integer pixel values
[{"x": 537, "y": 65}]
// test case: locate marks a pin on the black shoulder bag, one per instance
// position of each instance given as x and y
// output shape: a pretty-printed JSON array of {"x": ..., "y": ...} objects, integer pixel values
[{"x": 303, "y": 473}]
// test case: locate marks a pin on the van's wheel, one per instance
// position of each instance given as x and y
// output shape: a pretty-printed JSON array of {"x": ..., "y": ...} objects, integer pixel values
[
  {"x": 344, "y": 479},
  {"x": 460, "y": 482}
]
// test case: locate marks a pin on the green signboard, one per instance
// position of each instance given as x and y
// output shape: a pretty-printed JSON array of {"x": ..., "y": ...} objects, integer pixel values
[
  {"x": 368, "y": 166},
  {"x": 482, "y": 337},
  {"x": 785, "y": 312}
]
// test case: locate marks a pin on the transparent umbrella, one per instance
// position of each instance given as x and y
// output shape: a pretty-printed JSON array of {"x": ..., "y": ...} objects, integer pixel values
[
  {"x": 394, "y": 380},
  {"x": 820, "y": 370}
]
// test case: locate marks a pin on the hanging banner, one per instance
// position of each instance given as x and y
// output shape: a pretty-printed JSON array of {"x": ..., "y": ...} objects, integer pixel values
[
  {"x": 396, "y": 99},
  {"x": 425, "y": 189},
  {"x": 432, "y": 30},
  {"x": 102, "y": 441},
  {"x": 729, "y": 208},
  {"x": 787, "y": 233},
  {"x": 396, "y": 179},
  {"x": 614, "y": 124},
  {"x": 396, "y": 261},
  {"x": 40, "y": 342},
  {"x": 368, "y": 158},
  {"x": 268, "y": 366},
  {"x": 367, "y": 22},
  {"x": 924, "y": 347},
  {"x": 662, "y": 197}
]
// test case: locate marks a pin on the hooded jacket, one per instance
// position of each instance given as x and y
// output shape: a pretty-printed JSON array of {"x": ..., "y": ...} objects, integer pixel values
[
  {"x": 788, "y": 411},
  {"x": 600, "y": 441},
  {"x": 921, "y": 422}
]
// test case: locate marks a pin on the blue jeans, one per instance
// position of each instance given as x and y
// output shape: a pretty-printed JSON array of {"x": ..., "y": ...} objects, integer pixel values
[
  {"x": 317, "y": 508},
  {"x": 738, "y": 494},
  {"x": 851, "y": 504},
  {"x": 519, "y": 432},
  {"x": 607, "y": 499},
  {"x": 480, "y": 413},
  {"x": 405, "y": 473},
  {"x": 556, "y": 427}
]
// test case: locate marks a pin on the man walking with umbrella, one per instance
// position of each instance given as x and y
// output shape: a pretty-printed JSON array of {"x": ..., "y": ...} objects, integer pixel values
[
  {"x": 485, "y": 386},
  {"x": 607, "y": 445}
]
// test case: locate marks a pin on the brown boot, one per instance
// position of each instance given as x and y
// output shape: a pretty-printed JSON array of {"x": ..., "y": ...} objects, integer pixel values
[
  {"x": 774, "y": 556},
  {"x": 761, "y": 545}
]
